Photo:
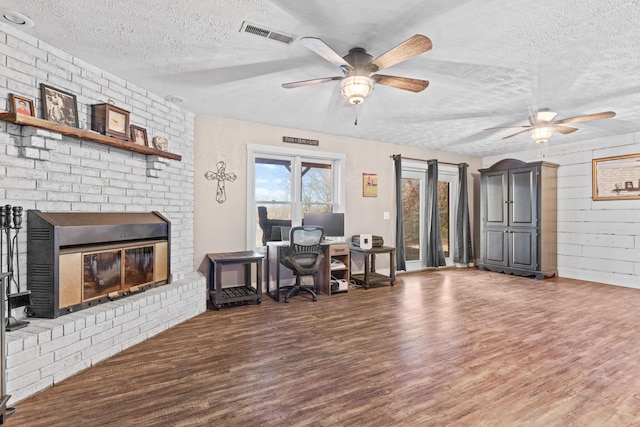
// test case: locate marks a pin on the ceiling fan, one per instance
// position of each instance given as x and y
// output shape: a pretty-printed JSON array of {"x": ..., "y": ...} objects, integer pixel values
[
  {"x": 358, "y": 68},
  {"x": 543, "y": 124}
]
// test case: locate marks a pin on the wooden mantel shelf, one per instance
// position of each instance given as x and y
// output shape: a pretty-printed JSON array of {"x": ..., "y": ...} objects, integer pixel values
[{"x": 23, "y": 119}]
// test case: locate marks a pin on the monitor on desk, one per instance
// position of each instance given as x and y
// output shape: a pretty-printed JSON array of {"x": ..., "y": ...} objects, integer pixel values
[{"x": 333, "y": 223}]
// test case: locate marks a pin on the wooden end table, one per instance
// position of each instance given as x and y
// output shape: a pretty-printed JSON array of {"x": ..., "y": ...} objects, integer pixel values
[
  {"x": 370, "y": 275},
  {"x": 219, "y": 295}
]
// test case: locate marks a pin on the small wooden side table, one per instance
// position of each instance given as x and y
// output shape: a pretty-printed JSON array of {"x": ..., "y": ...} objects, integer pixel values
[
  {"x": 370, "y": 275},
  {"x": 219, "y": 295}
]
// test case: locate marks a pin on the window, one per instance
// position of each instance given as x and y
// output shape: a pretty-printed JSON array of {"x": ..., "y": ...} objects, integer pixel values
[{"x": 291, "y": 182}]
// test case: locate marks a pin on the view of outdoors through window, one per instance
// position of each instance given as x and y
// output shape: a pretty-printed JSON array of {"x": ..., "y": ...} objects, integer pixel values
[
  {"x": 411, "y": 218},
  {"x": 411, "y": 208},
  {"x": 274, "y": 181},
  {"x": 316, "y": 188},
  {"x": 443, "y": 206}
]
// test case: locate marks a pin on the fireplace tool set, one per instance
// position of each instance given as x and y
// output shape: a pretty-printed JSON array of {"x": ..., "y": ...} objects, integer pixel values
[{"x": 10, "y": 225}]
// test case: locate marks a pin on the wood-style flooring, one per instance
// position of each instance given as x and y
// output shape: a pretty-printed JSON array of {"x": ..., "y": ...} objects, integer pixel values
[{"x": 457, "y": 347}]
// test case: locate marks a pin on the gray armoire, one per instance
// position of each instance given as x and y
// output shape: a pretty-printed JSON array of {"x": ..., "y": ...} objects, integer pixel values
[{"x": 518, "y": 218}]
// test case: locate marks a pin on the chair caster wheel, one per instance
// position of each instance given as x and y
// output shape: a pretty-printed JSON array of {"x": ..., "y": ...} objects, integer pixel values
[{"x": 259, "y": 301}]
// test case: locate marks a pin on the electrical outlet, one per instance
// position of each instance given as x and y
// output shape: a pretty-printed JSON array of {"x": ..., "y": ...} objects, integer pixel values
[
  {"x": 178, "y": 276},
  {"x": 386, "y": 215}
]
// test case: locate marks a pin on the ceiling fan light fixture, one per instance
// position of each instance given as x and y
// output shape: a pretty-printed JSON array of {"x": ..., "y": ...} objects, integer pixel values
[
  {"x": 541, "y": 134},
  {"x": 356, "y": 88}
]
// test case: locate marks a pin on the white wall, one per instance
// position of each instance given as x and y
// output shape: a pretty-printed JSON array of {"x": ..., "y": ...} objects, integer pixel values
[
  {"x": 597, "y": 240},
  {"x": 75, "y": 175},
  {"x": 221, "y": 227}
]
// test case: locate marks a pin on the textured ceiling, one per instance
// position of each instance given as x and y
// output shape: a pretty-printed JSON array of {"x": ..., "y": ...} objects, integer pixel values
[{"x": 492, "y": 62}]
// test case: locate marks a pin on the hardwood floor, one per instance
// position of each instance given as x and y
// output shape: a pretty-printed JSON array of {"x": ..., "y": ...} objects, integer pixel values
[{"x": 454, "y": 347}]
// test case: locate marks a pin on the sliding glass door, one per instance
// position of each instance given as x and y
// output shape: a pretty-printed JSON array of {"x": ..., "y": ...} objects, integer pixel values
[{"x": 413, "y": 206}]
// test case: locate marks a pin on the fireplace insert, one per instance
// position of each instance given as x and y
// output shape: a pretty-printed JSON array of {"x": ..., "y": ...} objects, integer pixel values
[{"x": 77, "y": 259}]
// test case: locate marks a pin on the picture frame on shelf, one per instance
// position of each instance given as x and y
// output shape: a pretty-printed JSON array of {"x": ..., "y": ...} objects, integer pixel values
[
  {"x": 613, "y": 178},
  {"x": 21, "y": 105},
  {"x": 110, "y": 120},
  {"x": 59, "y": 106},
  {"x": 139, "y": 135}
]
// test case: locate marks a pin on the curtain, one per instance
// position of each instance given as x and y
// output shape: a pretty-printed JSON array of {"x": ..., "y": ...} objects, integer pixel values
[
  {"x": 401, "y": 264},
  {"x": 435, "y": 253},
  {"x": 463, "y": 252}
]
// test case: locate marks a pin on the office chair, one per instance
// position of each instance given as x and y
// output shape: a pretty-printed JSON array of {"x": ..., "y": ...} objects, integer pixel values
[{"x": 302, "y": 257}]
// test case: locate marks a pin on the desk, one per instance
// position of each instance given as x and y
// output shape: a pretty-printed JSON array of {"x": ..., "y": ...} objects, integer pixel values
[
  {"x": 219, "y": 295},
  {"x": 335, "y": 249},
  {"x": 370, "y": 276}
]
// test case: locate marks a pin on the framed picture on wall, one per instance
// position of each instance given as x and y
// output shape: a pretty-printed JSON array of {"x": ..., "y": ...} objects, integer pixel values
[
  {"x": 139, "y": 135},
  {"x": 59, "y": 106},
  {"x": 369, "y": 185},
  {"x": 21, "y": 105},
  {"x": 616, "y": 178}
]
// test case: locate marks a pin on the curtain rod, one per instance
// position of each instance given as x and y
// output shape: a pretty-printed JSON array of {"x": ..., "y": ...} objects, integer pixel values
[{"x": 422, "y": 160}]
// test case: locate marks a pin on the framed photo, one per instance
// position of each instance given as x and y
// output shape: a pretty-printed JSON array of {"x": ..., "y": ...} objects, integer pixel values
[
  {"x": 139, "y": 135},
  {"x": 616, "y": 178},
  {"x": 369, "y": 185},
  {"x": 110, "y": 120},
  {"x": 21, "y": 105},
  {"x": 59, "y": 106}
]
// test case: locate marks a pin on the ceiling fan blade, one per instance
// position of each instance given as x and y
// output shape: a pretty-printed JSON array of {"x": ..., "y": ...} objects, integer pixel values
[
  {"x": 508, "y": 127},
  {"x": 564, "y": 129},
  {"x": 517, "y": 133},
  {"x": 407, "y": 49},
  {"x": 322, "y": 49},
  {"x": 310, "y": 82},
  {"x": 586, "y": 117},
  {"x": 405, "y": 83}
]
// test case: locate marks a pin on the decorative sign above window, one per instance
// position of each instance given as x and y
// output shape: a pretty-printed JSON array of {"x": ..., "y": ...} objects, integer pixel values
[{"x": 292, "y": 140}]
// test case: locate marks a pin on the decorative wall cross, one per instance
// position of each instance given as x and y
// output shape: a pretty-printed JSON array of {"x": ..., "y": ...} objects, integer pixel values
[{"x": 221, "y": 176}]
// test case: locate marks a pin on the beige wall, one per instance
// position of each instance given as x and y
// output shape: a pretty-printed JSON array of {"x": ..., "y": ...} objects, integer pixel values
[{"x": 221, "y": 227}]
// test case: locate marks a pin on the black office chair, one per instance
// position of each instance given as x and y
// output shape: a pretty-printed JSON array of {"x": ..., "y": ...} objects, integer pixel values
[{"x": 302, "y": 257}]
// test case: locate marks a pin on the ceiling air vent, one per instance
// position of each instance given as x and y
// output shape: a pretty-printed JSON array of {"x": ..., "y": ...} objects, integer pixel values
[{"x": 266, "y": 33}]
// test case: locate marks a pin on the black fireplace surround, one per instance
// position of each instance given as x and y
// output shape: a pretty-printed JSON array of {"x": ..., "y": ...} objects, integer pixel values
[{"x": 76, "y": 260}]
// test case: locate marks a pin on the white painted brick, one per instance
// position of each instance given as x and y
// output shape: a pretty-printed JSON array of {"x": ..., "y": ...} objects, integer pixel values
[
  {"x": 64, "y": 374},
  {"x": 12, "y": 150},
  {"x": 23, "y": 357},
  {"x": 21, "y": 381},
  {"x": 50, "y": 144},
  {"x": 33, "y": 141},
  {"x": 30, "y": 153},
  {"x": 25, "y": 369}
]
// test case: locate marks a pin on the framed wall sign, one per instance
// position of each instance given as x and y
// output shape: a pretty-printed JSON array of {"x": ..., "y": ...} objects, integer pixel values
[{"x": 616, "y": 178}]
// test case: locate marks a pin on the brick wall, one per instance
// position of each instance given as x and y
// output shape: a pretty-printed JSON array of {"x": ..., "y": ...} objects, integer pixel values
[
  {"x": 49, "y": 350},
  {"x": 50, "y": 172}
]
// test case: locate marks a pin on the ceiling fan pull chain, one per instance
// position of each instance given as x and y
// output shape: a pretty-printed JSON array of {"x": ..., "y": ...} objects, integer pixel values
[{"x": 356, "y": 122}]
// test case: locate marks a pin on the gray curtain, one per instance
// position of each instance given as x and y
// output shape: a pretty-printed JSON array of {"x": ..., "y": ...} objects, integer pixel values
[
  {"x": 462, "y": 252},
  {"x": 435, "y": 253},
  {"x": 401, "y": 264}
]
